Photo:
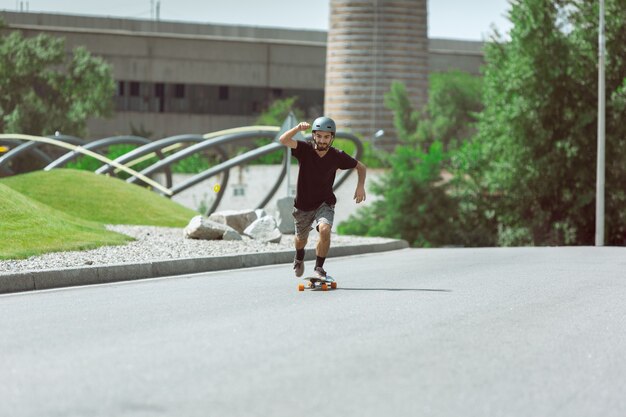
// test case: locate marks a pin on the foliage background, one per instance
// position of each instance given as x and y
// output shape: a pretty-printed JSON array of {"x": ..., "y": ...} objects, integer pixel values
[
  {"x": 44, "y": 90},
  {"x": 518, "y": 152}
]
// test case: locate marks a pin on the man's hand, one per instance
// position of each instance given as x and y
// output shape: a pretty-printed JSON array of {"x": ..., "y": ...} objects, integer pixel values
[
  {"x": 287, "y": 137},
  {"x": 359, "y": 194}
]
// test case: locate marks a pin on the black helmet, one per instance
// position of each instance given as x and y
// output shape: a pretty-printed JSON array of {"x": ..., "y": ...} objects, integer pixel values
[{"x": 324, "y": 124}]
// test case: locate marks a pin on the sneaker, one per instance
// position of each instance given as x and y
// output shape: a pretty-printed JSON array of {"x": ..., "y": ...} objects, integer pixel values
[
  {"x": 320, "y": 273},
  {"x": 298, "y": 267}
]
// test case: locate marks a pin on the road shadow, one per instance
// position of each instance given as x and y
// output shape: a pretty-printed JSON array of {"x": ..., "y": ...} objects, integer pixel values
[{"x": 392, "y": 289}]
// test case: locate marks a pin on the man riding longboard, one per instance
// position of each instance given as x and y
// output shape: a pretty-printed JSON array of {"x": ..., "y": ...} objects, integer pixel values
[{"x": 315, "y": 201}]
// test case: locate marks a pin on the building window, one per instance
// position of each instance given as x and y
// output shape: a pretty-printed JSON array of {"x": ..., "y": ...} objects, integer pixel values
[
  {"x": 239, "y": 191},
  {"x": 277, "y": 92},
  {"x": 159, "y": 90},
  {"x": 120, "y": 88},
  {"x": 134, "y": 89},
  {"x": 179, "y": 90},
  {"x": 223, "y": 92}
]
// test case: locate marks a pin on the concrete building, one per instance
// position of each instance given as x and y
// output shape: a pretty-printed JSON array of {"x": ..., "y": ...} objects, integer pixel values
[
  {"x": 176, "y": 77},
  {"x": 370, "y": 45}
]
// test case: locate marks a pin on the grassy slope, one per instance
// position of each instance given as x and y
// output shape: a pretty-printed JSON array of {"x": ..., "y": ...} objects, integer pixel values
[
  {"x": 28, "y": 227},
  {"x": 99, "y": 198}
]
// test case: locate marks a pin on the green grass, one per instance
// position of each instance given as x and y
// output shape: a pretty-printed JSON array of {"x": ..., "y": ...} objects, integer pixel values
[
  {"x": 28, "y": 228},
  {"x": 99, "y": 198}
]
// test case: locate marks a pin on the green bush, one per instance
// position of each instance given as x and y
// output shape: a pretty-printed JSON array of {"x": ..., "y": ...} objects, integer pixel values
[
  {"x": 87, "y": 163},
  {"x": 416, "y": 205},
  {"x": 371, "y": 157},
  {"x": 195, "y": 163}
]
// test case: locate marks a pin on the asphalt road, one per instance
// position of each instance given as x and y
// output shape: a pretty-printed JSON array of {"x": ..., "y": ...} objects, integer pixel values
[{"x": 448, "y": 332}]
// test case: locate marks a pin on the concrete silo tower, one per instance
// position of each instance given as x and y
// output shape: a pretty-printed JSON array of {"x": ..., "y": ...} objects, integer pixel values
[{"x": 370, "y": 44}]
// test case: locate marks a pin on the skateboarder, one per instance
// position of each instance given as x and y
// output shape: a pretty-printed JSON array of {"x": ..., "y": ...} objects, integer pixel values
[{"x": 315, "y": 200}]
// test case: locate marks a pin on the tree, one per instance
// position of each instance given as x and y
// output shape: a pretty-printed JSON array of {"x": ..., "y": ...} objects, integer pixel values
[
  {"x": 419, "y": 204},
  {"x": 278, "y": 110},
  {"x": 42, "y": 90},
  {"x": 415, "y": 205},
  {"x": 275, "y": 115},
  {"x": 533, "y": 159},
  {"x": 454, "y": 100},
  {"x": 584, "y": 36}
]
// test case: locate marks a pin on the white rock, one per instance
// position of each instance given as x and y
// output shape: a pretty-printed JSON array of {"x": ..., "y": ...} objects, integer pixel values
[
  {"x": 231, "y": 235},
  {"x": 260, "y": 213},
  {"x": 237, "y": 219},
  {"x": 264, "y": 229},
  {"x": 201, "y": 228},
  {"x": 285, "y": 218}
]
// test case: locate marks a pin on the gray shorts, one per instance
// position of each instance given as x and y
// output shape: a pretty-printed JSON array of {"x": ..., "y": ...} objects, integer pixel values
[{"x": 305, "y": 219}]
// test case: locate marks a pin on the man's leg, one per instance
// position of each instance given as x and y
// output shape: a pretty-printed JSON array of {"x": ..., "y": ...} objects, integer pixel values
[
  {"x": 325, "y": 217},
  {"x": 303, "y": 222},
  {"x": 300, "y": 242},
  {"x": 323, "y": 245}
]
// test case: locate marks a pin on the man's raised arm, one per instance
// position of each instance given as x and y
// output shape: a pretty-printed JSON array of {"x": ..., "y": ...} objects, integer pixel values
[{"x": 287, "y": 137}]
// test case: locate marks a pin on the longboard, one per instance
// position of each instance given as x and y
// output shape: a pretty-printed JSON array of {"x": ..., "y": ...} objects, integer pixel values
[{"x": 315, "y": 283}]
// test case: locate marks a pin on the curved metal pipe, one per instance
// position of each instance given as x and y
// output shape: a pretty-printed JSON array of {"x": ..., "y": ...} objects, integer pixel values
[
  {"x": 97, "y": 156},
  {"x": 240, "y": 159},
  {"x": 42, "y": 156},
  {"x": 162, "y": 143},
  {"x": 102, "y": 143},
  {"x": 256, "y": 153},
  {"x": 7, "y": 145},
  {"x": 204, "y": 142},
  {"x": 150, "y": 147},
  {"x": 278, "y": 182},
  {"x": 220, "y": 193},
  {"x": 200, "y": 146},
  {"x": 30, "y": 144},
  {"x": 157, "y": 147}
]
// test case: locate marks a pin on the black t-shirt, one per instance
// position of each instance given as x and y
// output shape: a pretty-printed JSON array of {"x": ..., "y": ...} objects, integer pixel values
[{"x": 317, "y": 175}]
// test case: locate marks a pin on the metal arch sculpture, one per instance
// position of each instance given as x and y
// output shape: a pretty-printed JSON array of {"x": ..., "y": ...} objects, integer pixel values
[
  {"x": 158, "y": 147},
  {"x": 98, "y": 144},
  {"x": 61, "y": 144},
  {"x": 224, "y": 167},
  {"x": 214, "y": 141},
  {"x": 256, "y": 153},
  {"x": 204, "y": 142},
  {"x": 238, "y": 160},
  {"x": 12, "y": 144},
  {"x": 150, "y": 149},
  {"x": 32, "y": 147},
  {"x": 181, "y": 138},
  {"x": 173, "y": 142}
]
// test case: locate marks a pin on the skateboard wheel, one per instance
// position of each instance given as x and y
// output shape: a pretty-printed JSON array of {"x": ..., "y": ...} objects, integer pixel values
[
  {"x": 324, "y": 287},
  {"x": 333, "y": 285},
  {"x": 301, "y": 287}
]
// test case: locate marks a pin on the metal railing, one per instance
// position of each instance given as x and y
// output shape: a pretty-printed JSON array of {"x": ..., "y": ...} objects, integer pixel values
[{"x": 20, "y": 145}]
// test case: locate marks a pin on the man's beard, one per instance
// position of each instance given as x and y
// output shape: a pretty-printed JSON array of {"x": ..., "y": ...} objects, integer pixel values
[{"x": 322, "y": 147}]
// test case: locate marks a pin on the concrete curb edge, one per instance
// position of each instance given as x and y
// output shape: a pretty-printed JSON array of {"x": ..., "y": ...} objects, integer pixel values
[{"x": 102, "y": 274}]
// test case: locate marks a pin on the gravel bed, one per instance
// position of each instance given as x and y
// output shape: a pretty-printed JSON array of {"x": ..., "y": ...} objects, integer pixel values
[{"x": 162, "y": 243}]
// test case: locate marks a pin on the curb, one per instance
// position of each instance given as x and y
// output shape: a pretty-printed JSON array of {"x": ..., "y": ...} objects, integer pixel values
[{"x": 69, "y": 277}]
